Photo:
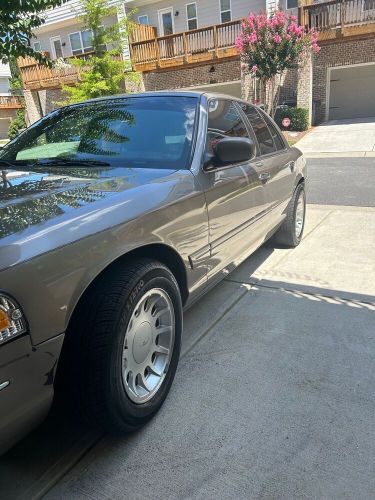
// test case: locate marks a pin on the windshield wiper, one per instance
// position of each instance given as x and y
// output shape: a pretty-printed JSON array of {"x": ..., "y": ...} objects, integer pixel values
[
  {"x": 70, "y": 163},
  {"x": 14, "y": 163},
  {"x": 17, "y": 164}
]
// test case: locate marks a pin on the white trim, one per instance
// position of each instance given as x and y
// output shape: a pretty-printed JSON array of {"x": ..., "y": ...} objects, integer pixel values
[
  {"x": 143, "y": 15},
  {"x": 53, "y": 51},
  {"x": 222, "y": 11},
  {"x": 192, "y": 18},
  {"x": 328, "y": 91},
  {"x": 160, "y": 13},
  {"x": 40, "y": 46}
]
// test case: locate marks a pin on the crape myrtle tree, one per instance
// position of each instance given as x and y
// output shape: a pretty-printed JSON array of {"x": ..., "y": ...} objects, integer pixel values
[
  {"x": 104, "y": 72},
  {"x": 18, "y": 20},
  {"x": 270, "y": 46}
]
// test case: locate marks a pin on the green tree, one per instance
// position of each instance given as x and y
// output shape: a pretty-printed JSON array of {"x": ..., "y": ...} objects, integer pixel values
[
  {"x": 17, "y": 124},
  {"x": 18, "y": 20},
  {"x": 270, "y": 46},
  {"x": 104, "y": 72},
  {"x": 15, "y": 82}
]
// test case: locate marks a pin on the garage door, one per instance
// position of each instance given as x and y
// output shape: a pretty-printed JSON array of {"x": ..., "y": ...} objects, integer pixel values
[
  {"x": 230, "y": 88},
  {"x": 352, "y": 92},
  {"x": 4, "y": 125}
]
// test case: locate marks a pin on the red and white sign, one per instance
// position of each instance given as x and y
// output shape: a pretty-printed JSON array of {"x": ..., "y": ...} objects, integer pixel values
[{"x": 286, "y": 122}]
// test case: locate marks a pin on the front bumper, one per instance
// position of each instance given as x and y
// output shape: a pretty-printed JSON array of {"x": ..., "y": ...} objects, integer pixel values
[{"x": 27, "y": 374}]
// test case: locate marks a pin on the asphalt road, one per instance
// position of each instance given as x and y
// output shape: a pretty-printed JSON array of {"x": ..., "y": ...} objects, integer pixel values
[{"x": 342, "y": 181}]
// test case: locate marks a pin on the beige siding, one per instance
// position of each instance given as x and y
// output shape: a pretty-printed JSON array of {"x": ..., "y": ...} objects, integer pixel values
[
  {"x": 208, "y": 11},
  {"x": 44, "y": 38}
]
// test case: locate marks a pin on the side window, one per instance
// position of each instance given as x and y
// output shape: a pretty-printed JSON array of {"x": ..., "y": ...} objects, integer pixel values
[
  {"x": 263, "y": 135},
  {"x": 224, "y": 120},
  {"x": 279, "y": 143}
]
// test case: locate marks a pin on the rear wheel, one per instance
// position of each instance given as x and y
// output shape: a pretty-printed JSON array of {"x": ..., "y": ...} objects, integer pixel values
[
  {"x": 291, "y": 231},
  {"x": 129, "y": 332}
]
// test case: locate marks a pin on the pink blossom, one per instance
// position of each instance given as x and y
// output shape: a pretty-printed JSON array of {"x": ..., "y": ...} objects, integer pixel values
[
  {"x": 252, "y": 38},
  {"x": 254, "y": 69},
  {"x": 277, "y": 38},
  {"x": 239, "y": 43}
]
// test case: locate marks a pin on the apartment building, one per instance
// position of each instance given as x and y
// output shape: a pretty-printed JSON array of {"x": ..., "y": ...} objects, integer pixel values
[
  {"x": 190, "y": 44},
  {"x": 8, "y": 102}
]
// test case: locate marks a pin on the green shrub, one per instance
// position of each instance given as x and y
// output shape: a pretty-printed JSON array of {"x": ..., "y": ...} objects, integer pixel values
[
  {"x": 299, "y": 119},
  {"x": 17, "y": 124}
]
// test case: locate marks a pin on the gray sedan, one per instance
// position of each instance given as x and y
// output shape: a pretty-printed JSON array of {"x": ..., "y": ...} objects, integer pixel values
[{"x": 115, "y": 215}]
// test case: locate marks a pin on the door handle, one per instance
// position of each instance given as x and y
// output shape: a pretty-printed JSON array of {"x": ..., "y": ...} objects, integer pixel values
[
  {"x": 259, "y": 164},
  {"x": 264, "y": 176}
]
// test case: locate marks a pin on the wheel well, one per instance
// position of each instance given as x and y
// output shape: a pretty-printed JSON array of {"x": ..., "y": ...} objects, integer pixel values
[{"x": 163, "y": 253}]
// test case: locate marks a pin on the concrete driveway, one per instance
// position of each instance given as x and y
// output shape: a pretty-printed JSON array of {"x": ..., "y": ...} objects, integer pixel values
[
  {"x": 354, "y": 137},
  {"x": 274, "y": 394}
]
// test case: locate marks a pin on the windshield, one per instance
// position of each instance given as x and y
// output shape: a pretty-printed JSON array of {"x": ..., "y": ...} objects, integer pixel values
[{"x": 151, "y": 132}]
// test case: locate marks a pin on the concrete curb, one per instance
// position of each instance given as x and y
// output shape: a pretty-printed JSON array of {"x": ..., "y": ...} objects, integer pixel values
[{"x": 341, "y": 154}]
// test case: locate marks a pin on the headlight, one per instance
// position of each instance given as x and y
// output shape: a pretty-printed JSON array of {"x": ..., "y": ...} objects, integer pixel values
[{"x": 12, "y": 321}]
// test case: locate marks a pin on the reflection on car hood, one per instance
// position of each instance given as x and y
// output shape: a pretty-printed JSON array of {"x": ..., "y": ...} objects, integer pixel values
[{"x": 30, "y": 199}]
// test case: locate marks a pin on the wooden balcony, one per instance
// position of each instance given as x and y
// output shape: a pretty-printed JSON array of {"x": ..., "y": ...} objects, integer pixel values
[
  {"x": 190, "y": 47},
  {"x": 36, "y": 76},
  {"x": 11, "y": 102},
  {"x": 340, "y": 18}
]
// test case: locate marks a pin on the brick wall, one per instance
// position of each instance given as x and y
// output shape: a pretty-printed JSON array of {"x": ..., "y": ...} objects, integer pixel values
[
  {"x": 39, "y": 103},
  {"x": 342, "y": 53},
  {"x": 216, "y": 72},
  {"x": 251, "y": 91}
]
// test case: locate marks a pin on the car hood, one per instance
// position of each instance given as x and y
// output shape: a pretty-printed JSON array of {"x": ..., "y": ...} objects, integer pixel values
[{"x": 31, "y": 201}]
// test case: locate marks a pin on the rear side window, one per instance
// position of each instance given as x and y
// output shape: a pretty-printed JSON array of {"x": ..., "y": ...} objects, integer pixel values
[
  {"x": 224, "y": 120},
  {"x": 261, "y": 131},
  {"x": 279, "y": 143}
]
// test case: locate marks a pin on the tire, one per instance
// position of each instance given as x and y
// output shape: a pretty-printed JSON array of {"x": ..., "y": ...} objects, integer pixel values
[
  {"x": 290, "y": 233},
  {"x": 107, "y": 332}
]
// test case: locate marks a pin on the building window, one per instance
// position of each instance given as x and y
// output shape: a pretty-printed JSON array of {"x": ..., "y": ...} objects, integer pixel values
[
  {"x": 81, "y": 42},
  {"x": 191, "y": 16},
  {"x": 291, "y": 4},
  {"x": 369, "y": 5},
  {"x": 225, "y": 11},
  {"x": 143, "y": 19},
  {"x": 37, "y": 47}
]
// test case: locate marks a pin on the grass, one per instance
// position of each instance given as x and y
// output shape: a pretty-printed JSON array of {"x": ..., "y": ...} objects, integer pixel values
[{"x": 291, "y": 142}]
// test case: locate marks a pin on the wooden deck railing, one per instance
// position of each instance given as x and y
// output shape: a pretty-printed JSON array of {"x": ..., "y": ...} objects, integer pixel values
[
  {"x": 141, "y": 32},
  {"x": 11, "y": 102},
  {"x": 203, "y": 44},
  {"x": 36, "y": 76},
  {"x": 340, "y": 17}
]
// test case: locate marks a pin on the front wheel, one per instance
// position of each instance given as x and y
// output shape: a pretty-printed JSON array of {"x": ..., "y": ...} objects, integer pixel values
[
  {"x": 291, "y": 231},
  {"x": 131, "y": 337}
]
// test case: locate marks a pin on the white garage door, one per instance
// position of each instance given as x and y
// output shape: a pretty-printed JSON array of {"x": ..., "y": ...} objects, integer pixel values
[
  {"x": 352, "y": 93},
  {"x": 229, "y": 88}
]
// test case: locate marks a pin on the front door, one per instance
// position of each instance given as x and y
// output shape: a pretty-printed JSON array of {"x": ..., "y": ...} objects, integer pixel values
[
  {"x": 56, "y": 47},
  {"x": 166, "y": 21},
  {"x": 234, "y": 195}
]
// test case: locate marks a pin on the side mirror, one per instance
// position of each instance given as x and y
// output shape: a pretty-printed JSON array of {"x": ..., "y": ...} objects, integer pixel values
[{"x": 231, "y": 150}]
